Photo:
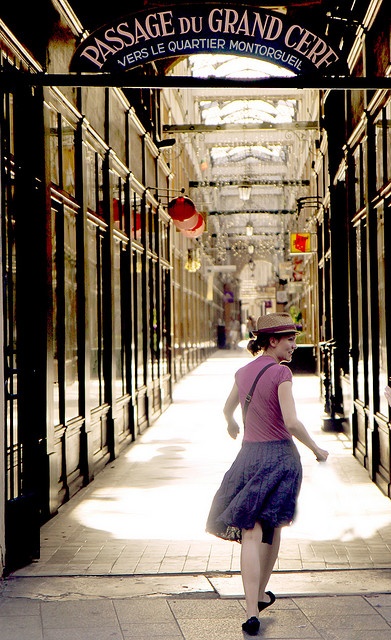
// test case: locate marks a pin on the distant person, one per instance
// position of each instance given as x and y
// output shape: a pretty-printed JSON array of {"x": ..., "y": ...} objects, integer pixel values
[
  {"x": 258, "y": 493},
  {"x": 234, "y": 333}
]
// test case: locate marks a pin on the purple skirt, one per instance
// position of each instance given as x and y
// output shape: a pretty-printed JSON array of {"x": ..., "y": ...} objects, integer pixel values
[{"x": 262, "y": 486}]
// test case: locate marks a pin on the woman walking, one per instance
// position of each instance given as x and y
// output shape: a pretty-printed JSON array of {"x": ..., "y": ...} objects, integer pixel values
[{"x": 258, "y": 493}]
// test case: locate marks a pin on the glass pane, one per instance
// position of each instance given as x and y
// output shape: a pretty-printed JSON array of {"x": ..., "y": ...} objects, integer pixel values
[
  {"x": 53, "y": 148},
  {"x": 70, "y": 294},
  {"x": 140, "y": 381},
  {"x": 360, "y": 239},
  {"x": 382, "y": 310},
  {"x": 68, "y": 157},
  {"x": 357, "y": 176},
  {"x": 164, "y": 322},
  {"x": 388, "y": 121},
  {"x": 56, "y": 382},
  {"x": 96, "y": 389},
  {"x": 90, "y": 178},
  {"x": 153, "y": 321},
  {"x": 136, "y": 216},
  {"x": 379, "y": 152},
  {"x": 118, "y": 339}
]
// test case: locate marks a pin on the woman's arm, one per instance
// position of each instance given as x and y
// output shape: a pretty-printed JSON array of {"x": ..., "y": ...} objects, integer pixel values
[
  {"x": 293, "y": 424},
  {"x": 229, "y": 409}
]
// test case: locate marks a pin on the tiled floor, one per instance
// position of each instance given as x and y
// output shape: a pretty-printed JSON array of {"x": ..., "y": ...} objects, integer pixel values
[
  {"x": 128, "y": 557},
  {"x": 145, "y": 513}
]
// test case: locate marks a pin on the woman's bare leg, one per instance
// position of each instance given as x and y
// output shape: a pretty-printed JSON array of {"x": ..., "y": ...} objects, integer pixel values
[
  {"x": 267, "y": 559},
  {"x": 250, "y": 565}
]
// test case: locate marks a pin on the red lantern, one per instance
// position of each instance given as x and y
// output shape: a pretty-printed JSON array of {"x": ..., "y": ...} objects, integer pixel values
[
  {"x": 198, "y": 228},
  {"x": 183, "y": 212}
]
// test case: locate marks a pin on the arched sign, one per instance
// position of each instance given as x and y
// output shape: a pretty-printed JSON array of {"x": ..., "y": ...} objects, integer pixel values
[{"x": 175, "y": 31}]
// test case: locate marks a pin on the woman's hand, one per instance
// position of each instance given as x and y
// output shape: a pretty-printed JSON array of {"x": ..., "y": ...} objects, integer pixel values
[
  {"x": 233, "y": 429},
  {"x": 321, "y": 454}
]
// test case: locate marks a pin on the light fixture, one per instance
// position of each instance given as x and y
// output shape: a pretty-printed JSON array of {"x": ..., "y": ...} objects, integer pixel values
[
  {"x": 250, "y": 249},
  {"x": 193, "y": 260},
  {"x": 249, "y": 228},
  {"x": 245, "y": 190}
]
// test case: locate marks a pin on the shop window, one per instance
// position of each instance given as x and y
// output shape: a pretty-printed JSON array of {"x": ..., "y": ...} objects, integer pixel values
[
  {"x": 164, "y": 240},
  {"x": 65, "y": 344},
  {"x": 361, "y": 306},
  {"x": 135, "y": 216},
  {"x": 154, "y": 329},
  {"x": 90, "y": 182},
  {"x": 379, "y": 143},
  {"x": 68, "y": 156},
  {"x": 139, "y": 317},
  {"x": 387, "y": 176},
  {"x": 56, "y": 381},
  {"x": 119, "y": 342},
  {"x": 54, "y": 147},
  {"x": 95, "y": 311},
  {"x": 382, "y": 308},
  {"x": 70, "y": 317},
  {"x": 119, "y": 201},
  {"x": 358, "y": 178},
  {"x": 165, "y": 320}
]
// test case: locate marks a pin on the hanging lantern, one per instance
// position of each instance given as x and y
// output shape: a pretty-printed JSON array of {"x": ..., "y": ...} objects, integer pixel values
[
  {"x": 183, "y": 212},
  {"x": 197, "y": 230}
]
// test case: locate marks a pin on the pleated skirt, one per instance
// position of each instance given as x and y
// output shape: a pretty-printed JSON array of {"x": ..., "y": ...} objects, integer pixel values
[{"x": 262, "y": 485}]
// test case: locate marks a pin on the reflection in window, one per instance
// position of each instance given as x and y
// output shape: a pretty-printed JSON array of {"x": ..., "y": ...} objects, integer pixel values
[
  {"x": 56, "y": 381},
  {"x": 136, "y": 217},
  {"x": 119, "y": 346},
  {"x": 70, "y": 334},
  {"x": 68, "y": 157},
  {"x": 358, "y": 176},
  {"x": 140, "y": 379},
  {"x": 53, "y": 148},
  {"x": 388, "y": 143},
  {"x": 379, "y": 153},
  {"x": 361, "y": 300},
  {"x": 165, "y": 321},
  {"x": 153, "y": 359},
  {"x": 382, "y": 310},
  {"x": 95, "y": 280}
]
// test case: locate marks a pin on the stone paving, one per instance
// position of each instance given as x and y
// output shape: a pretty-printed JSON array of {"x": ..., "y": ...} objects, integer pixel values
[
  {"x": 145, "y": 512},
  {"x": 128, "y": 556}
]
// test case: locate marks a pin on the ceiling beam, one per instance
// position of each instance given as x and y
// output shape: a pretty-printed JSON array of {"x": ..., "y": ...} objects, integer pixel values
[
  {"x": 129, "y": 80},
  {"x": 268, "y": 126},
  {"x": 248, "y": 212},
  {"x": 253, "y": 183}
]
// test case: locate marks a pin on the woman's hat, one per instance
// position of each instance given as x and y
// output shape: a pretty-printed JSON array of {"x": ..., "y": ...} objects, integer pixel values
[{"x": 275, "y": 323}]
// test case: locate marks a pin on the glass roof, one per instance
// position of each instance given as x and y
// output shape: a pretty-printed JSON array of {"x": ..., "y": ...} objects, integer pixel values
[
  {"x": 247, "y": 111},
  {"x": 227, "y": 154},
  {"x": 226, "y": 66},
  {"x": 239, "y": 111}
]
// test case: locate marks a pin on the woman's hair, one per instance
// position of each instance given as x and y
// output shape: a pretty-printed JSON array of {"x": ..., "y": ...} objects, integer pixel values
[
  {"x": 259, "y": 343},
  {"x": 262, "y": 341}
]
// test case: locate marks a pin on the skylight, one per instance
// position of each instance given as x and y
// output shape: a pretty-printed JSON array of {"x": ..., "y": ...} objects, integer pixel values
[{"x": 226, "y": 66}]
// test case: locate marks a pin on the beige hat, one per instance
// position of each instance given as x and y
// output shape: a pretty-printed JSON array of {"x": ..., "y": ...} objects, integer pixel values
[{"x": 275, "y": 323}]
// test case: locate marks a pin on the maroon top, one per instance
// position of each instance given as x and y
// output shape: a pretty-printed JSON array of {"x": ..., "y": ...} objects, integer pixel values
[{"x": 264, "y": 421}]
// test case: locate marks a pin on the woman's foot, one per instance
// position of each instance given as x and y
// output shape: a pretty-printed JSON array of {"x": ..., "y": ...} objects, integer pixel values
[
  {"x": 251, "y": 626},
  {"x": 263, "y": 605}
]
